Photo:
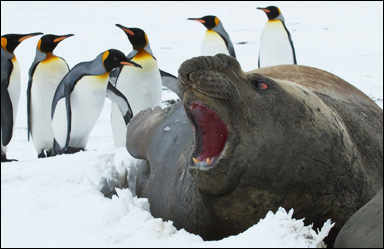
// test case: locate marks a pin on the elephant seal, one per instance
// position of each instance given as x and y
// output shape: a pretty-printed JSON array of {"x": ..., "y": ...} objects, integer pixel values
[
  {"x": 241, "y": 144},
  {"x": 365, "y": 228}
]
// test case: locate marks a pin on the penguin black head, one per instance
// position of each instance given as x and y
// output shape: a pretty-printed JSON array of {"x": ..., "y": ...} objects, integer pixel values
[
  {"x": 48, "y": 43},
  {"x": 10, "y": 42},
  {"x": 271, "y": 11},
  {"x": 208, "y": 21},
  {"x": 113, "y": 58},
  {"x": 136, "y": 36}
]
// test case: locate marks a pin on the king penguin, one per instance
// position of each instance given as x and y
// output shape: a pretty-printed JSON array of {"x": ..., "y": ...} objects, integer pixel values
[
  {"x": 142, "y": 87},
  {"x": 45, "y": 74},
  {"x": 216, "y": 39},
  {"x": 276, "y": 45},
  {"x": 79, "y": 99},
  {"x": 10, "y": 87}
]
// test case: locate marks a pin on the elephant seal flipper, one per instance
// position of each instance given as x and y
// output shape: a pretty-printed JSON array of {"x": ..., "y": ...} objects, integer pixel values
[{"x": 365, "y": 228}]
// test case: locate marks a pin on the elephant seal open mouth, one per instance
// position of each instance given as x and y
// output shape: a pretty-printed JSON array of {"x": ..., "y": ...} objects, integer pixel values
[{"x": 242, "y": 144}]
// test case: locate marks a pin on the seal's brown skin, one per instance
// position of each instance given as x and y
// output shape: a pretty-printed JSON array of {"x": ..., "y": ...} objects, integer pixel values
[{"x": 309, "y": 141}]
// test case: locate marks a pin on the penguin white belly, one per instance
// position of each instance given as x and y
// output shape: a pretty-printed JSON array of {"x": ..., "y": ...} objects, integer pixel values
[
  {"x": 46, "y": 78},
  {"x": 213, "y": 44},
  {"x": 142, "y": 88},
  {"x": 14, "y": 88},
  {"x": 14, "y": 94},
  {"x": 87, "y": 100},
  {"x": 275, "y": 48}
]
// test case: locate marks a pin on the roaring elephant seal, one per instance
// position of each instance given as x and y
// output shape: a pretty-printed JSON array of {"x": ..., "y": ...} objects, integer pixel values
[{"x": 241, "y": 144}]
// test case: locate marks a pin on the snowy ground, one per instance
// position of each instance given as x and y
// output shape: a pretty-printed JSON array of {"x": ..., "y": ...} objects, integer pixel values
[{"x": 56, "y": 202}]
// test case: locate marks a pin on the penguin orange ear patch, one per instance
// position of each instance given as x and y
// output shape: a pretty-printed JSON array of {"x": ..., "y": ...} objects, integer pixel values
[
  {"x": 3, "y": 42},
  {"x": 39, "y": 44},
  {"x": 216, "y": 21},
  {"x": 105, "y": 55}
]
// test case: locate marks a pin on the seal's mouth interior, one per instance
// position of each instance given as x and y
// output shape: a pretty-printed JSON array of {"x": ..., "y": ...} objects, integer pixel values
[{"x": 211, "y": 134}]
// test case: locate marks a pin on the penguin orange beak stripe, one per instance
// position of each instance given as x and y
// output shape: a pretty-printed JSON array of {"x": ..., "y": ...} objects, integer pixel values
[
  {"x": 130, "y": 64},
  {"x": 265, "y": 10},
  {"x": 62, "y": 38},
  {"x": 29, "y": 36},
  {"x": 196, "y": 19},
  {"x": 129, "y": 32}
]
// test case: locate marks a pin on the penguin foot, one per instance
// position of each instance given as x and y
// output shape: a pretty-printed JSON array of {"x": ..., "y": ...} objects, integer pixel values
[
  {"x": 72, "y": 150},
  {"x": 5, "y": 160},
  {"x": 45, "y": 153},
  {"x": 41, "y": 155}
]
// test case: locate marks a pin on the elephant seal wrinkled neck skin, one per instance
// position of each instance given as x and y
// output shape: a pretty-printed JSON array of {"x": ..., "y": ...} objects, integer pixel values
[{"x": 242, "y": 144}]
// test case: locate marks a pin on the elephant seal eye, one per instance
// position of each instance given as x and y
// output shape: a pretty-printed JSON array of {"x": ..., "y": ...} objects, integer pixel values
[{"x": 262, "y": 86}]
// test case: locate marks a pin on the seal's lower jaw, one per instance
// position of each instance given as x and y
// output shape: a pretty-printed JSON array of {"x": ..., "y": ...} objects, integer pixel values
[{"x": 211, "y": 135}]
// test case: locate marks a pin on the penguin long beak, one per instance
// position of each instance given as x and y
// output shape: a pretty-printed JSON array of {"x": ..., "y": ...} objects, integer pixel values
[
  {"x": 59, "y": 39},
  {"x": 196, "y": 19},
  {"x": 125, "y": 29},
  {"x": 263, "y": 9},
  {"x": 26, "y": 36},
  {"x": 130, "y": 63}
]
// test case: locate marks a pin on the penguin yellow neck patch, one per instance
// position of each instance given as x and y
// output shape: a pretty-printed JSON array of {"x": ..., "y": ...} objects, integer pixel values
[
  {"x": 49, "y": 58},
  {"x": 274, "y": 20},
  {"x": 103, "y": 76},
  {"x": 142, "y": 55}
]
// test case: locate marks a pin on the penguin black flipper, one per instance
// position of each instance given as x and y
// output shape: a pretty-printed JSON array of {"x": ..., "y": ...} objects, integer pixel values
[
  {"x": 59, "y": 94},
  {"x": 7, "y": 115},
  {"x": 29, "y": 87},
  {"x": 132, "y": 54},
  {"x": 114, "y": 75},
  {"x": 291, "y": 42},
  {"x": 169, "y": 81},
  {"x": 6, "y": 103},
  {"x": 230, "y": 47},
  {"x": 121, "y": 101},
  {"x": 227, "y": 41},
  {"x": 64, "y": 90},
  {"x": 219, "y": 28}
]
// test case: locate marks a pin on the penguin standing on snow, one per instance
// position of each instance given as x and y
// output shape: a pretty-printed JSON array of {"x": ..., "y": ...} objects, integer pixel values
[
  {"x": 276, "y": 45},
  {"x": 10, "y": 87},
  {"x": 45, "y": 74},
  {"x": 142, "y": 87},
  {"x": 216, "y": 39},
  {"x": 79, "y": 100}
]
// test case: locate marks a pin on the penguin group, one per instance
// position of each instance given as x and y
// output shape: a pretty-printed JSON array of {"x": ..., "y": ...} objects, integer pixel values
[
  {"x": 276, "y": 45},
  {"x": 63, "y": 104},
  {"x": 10, "y": 87}
]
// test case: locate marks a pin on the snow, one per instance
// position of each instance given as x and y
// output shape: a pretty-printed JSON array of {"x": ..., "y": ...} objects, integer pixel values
[{"x": 57, "y": 201}]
